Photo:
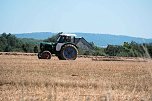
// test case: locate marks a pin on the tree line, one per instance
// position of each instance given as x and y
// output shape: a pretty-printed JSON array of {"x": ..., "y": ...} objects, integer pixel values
[
  {"x": 131, "y": 49},
  {"x": 10, "y": 43}
]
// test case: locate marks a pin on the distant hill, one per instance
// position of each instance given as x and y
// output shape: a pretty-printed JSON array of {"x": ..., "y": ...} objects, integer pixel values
[
  {"x": 35, "y": 35},
  {"x": 98, "y": 39}
]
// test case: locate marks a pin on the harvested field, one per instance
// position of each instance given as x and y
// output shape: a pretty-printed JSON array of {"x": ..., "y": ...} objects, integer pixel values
[{"x": 26, "y": 78}]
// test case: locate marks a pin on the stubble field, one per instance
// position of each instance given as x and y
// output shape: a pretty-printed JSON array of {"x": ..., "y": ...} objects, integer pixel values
[{"x": 26, "y": 78}]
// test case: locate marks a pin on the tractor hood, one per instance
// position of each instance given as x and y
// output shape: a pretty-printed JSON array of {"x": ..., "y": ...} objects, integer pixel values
[
  {"x": 49, "y": 43},
  {"x": 47, "y": 46}
]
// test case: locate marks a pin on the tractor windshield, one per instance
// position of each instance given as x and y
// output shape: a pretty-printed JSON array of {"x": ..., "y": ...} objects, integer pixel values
[{"x": 63, "y": 39}]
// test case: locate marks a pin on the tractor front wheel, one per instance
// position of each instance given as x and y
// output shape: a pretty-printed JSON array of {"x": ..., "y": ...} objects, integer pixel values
[
  {"x": 45, "y": 55},
  {"x": 68, "y": 52}
]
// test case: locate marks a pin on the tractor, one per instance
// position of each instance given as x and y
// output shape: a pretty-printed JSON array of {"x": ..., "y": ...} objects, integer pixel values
[{"x": 64, "y": 48}]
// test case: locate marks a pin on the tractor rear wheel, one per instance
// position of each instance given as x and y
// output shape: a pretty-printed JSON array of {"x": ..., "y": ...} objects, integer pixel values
[
  {"x": 68, "y": 52},
  {"x": 46, "y": 55}
]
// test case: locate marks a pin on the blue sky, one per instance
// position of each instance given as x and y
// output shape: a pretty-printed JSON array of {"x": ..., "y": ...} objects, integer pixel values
[{"x": 120, "y": 17}]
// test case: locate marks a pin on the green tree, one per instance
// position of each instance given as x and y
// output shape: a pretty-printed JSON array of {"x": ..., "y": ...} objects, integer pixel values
[
  {"x": 112, "y": 50},
  {"x": 35, "y": 49},
  {"x": 27, "y": 47},
  {"x": 8, "y": 48}
]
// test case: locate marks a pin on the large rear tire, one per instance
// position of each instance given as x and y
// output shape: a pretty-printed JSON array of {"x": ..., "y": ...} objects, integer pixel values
[
  {"x": 45, "y": 55},
  {"x": 68, "y": 52}
]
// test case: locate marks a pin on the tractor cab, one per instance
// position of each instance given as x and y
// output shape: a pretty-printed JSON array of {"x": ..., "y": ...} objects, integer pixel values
[{"x": 64, "y": 38}]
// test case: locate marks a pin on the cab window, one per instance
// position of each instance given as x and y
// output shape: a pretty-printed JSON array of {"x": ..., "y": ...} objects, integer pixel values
[{"x": 63, "y": 39}]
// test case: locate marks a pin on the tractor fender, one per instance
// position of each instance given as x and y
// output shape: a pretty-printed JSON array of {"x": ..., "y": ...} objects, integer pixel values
[{"x": 59, "y": 46}]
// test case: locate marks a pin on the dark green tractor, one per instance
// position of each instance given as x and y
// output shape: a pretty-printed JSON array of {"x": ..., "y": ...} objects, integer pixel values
[{"x": 64, "y": 48}]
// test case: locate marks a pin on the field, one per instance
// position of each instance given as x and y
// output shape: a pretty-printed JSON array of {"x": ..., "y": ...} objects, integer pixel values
[{"x": 26, "y": 78}]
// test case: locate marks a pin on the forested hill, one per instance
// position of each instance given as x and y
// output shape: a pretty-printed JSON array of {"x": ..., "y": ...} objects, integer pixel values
[{"x": 98, "y": 39}]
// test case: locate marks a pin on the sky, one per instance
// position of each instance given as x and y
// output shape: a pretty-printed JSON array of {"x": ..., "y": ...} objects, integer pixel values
[{"x": 118, "y": 17}]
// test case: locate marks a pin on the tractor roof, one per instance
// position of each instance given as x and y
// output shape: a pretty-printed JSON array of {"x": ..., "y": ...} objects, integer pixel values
[{"x": 64, "y": 34}]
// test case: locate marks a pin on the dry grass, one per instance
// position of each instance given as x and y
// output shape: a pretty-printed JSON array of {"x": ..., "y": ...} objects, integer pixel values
[{"x": 26, "y": 78}]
